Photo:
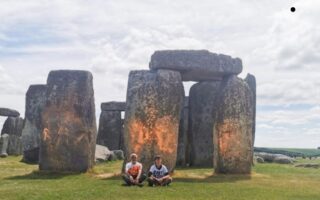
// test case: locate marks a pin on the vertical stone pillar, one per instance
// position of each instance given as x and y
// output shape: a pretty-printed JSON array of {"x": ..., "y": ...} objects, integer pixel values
[
  {"x": 69, "y": 124},
  {"x": 13, "y": 127},
  {"x": 251, "y": 81},
  {"x": 233, "y": 128},
  {"x": 110, "y": 125},
  {"x": 35, "y": 99},
  {"x": 182, "y": 152},
  {"x": 4, "y": 140},
  {"x": 202, "y": 100},
  {"x": 154, "y": 101}
]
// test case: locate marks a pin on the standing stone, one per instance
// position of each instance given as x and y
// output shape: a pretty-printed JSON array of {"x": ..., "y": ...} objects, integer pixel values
[
  {"x": 251, "y": 81},
  {"x": 113, "y": 106},
  {"x": 4, "y": 141},
  {"x": 35, "y": 99},
  {"x": 196, "y": 65},
  {"x": 154, "y": 102},
  {"x": 109, "y": 133},
  {"x": 233, "y": 128},
  {"x": 9, "y": 112},
  {"x": 202, "y": 99},
  {"x": 13, "y": 127},
  {"x": 68, "y": 139},
  {"x": 182, "y": 152},
  {"x": 14, "y": 145}
]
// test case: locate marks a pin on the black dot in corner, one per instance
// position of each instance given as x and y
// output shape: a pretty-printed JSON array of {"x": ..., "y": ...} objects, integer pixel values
[{"x": 293, "y": 9}]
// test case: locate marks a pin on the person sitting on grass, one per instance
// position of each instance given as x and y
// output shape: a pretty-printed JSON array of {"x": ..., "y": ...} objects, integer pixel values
[
  {"x": 159, "y": 174},
  {"x": 133, "y": 172}
]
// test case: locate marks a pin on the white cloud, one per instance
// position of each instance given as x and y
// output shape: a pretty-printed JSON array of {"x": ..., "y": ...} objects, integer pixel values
[{"x": 110, "y": 38}]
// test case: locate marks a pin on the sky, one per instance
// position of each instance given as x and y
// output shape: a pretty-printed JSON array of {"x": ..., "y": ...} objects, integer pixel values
[{"x": 110, "y": 38}]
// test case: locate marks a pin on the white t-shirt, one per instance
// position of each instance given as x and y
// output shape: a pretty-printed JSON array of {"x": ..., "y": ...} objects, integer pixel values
[
  {"x": 133, "y": 169},
  {"x": 159, "y": 173}
]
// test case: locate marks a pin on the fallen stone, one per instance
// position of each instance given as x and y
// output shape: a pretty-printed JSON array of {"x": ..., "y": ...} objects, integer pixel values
[
  {"x": 102, "y": 153},
  {"x": 69, "y": 124},
  {"x": 4, "y": 141},
  {"x": 275, "y": 158},
  {"x": 233, "y": 128},
  {"x": 154, "y": 102},
  {"x": 196, "y": 65},
  {"x": 202, "y": 100},
  {"x": 259, "y": 159},
  {"x": 9, "y": 112},
  {"x": 35, "y": 100},
  {"x": 113, "y": 106},
  {"x": 118, "y": 154}
]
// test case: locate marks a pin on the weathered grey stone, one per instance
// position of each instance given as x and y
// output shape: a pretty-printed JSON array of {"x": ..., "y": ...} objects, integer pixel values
[
  {"x": 182, "y": 152},
  {"x": 31, "y": 155},
  {"x": 69, "y": 124},
  {"x": 35, "y": 100},
  {"x": 102, "y": 153},
  {"x": 13, "y": 126},
  {"x": 112, "y": 157},
  {"x": 233, "y": 127},
  {"x": 9, "y": 112},
  {"x": 14, "y": 145},
  {"x": 283, "y": 160},
  {"x": 119, "y": 154},
  {"x": 251, "y": 81},
  {"x": 196, "y": 65},
  {"x": 109, "y": 133},
  {"x": 4, "y": 141},
  {"x": 154, "y": 101},
  {"x": 275, "y": 158},
  {"x": 259, "y": 159},
  {"x": 113, "y": 106},
  {"x": 202, "y": 100}
]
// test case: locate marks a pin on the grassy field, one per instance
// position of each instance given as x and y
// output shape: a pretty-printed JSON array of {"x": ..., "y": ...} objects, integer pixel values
[{"x": 267, "y": 182}]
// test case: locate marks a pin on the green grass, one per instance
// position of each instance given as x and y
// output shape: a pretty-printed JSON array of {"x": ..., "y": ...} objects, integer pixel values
[{"x": 267, "y": 182}]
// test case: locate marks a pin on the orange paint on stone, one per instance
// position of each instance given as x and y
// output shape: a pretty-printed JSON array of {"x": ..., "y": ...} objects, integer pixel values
[{"x": 165, "y": 134}]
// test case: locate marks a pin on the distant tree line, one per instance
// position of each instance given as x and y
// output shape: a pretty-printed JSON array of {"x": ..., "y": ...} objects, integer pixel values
[{"x": 290, "y": 153}]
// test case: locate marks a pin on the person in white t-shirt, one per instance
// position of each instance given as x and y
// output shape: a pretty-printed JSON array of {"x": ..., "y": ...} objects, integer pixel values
[
  {"x": 133, "y": 172},
  {"x": 159, "y": 174}
]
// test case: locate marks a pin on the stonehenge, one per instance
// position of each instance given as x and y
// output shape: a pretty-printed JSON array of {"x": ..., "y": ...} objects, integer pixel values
[
  {"x": 110, "y": 125},
  {"x": 202, "y": 98},
  {"x": 13, "y": 127},
  {"x": 233, "y": 148},
  {"x": 213, "y": 127},
  {"x": 9, "y": 112},
  {"x": 196, "y": 65},
  {"x": 68, "y": 139},
  {"x": 35, "y": 99},
  {"x": 154, "y": 102},
  {"x": 182, "y": 151},
  {"x": 4, "y": 141}
]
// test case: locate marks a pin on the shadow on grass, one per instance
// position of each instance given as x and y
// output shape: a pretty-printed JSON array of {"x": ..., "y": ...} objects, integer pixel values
[
  {"x": 213, "y": 179},
  {"x": 41, "y": 175},
  {"x": 216, "y": 178}
]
